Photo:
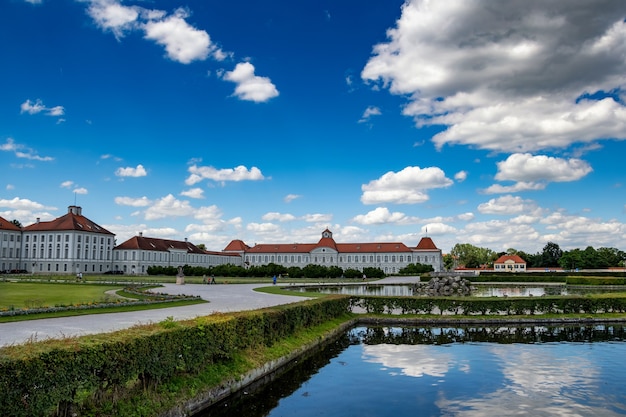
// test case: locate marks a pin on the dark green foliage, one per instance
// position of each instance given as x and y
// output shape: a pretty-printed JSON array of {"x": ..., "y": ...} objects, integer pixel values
[{"x": 416, "y": 269}]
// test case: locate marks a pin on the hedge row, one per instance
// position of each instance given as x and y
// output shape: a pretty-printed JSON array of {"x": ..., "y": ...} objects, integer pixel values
[
  {"x": 61, "y": 378},
  {"x": 491, "y": 306}
]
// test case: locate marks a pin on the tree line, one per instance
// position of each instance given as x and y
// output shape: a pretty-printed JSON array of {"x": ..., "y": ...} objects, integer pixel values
[
  {"x": 551, "y": 256},
  {"x": 272, "y": 269}
]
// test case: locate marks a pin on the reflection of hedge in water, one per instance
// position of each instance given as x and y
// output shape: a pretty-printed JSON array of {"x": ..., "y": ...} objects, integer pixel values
[{"x": 491, "y": 334}]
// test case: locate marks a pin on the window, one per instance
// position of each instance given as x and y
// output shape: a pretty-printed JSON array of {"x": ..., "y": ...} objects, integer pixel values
[
  {"x": 349, "y": 258},
  {"x": 67, "y": 238},
  {"x": 393, "y": 258},
  {"x": 371, "y": 258},
  {"x": 67, "y": 251},
  {"x": 386, "y": 258}
]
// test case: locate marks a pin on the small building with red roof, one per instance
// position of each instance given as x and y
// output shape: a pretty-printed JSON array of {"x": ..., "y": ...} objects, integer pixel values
[{"x": 509, "y": 263}]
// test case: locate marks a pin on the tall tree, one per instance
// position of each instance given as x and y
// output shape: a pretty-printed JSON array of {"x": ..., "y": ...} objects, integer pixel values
[
  {"x": 550, "y": 255},
  {"x": 472, "y": 256}
]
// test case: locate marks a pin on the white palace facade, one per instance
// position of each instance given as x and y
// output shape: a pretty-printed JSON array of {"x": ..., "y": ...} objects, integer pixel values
[
  {"x": 73, "y": 244},
  {"x": 390, "y": 257}
]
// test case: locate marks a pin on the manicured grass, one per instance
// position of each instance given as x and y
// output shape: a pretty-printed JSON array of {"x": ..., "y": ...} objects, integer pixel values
[
  {"x": 20, "y": 295},
  {"x": 123, "y": 308},
  {"x": 284, "y": 291}
]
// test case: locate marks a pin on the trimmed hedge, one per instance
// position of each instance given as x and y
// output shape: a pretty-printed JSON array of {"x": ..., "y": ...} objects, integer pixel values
[
  {"x": 63, "y": 377},
  {"x": 491, "y": 306}
]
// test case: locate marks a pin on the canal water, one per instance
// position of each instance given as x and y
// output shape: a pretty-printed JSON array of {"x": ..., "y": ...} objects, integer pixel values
[{"x": 469, "y": 371}]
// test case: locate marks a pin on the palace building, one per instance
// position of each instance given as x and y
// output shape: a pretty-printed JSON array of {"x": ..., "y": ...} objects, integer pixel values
[
  {"x": 73, "y": 244},
  {"x": 390, "y": 257},
  {"x": 68, "y": 244}
]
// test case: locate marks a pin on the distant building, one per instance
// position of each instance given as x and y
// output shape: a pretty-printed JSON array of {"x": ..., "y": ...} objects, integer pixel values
[
  {"x": 509, "y": 263},
  {"x": 390, "y": 257},
  {"x": 10, "y": 245},
  {"x": 138, "y": 253},
  {"x": 68, "y": 244}
]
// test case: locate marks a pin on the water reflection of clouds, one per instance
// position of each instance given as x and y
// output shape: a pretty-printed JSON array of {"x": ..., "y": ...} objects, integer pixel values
[
  {"x": 536, "y": 380},
  {"x": 415, "y": 361},
  {"x": 539, "y": 382}
]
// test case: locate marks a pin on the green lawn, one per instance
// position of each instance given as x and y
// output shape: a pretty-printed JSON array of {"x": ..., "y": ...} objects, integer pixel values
[{"x": 19, "y": 295}]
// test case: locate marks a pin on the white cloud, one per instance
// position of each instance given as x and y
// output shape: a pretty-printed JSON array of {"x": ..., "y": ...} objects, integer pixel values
[
  {"x": 80, "y": 190},
  {"x": 10, "y": 187},
  {"x": 262, "y": 228},
  {"x": 317, "y": 218},
  {"x": 507, "y": 205},
  {"x": 193, "y": 193},
  {"x": 369, "y": 112},
  {"x": 281, "y": 217},
  {"x": 34, "y": 1},
  {"x": 111, "y": 15},
  {"x": 22, "y": 151},
  {"x": 250, "y": 87},
  {"x": 404, "y": 187},
  {"x": 133, "y": 202},
  {"x": 382, "y": 215},
  {"x": 535, "y": 172},
  {"x": 182, "y": 42},
  {"x": 528, "y": 168},
  {"x": 67, "y": 184},
  {"x": 37, "y": 106},
  {"x": 23, "y": 204},
  {"x": 460, "y": 176},
  {"x": 518, "y": 78},
  {"x": 290, "y": 197},
  {"x": 168, "y": 206},
  {"x": 240, "y": 173},
  {"x": 139, "y": 171}
]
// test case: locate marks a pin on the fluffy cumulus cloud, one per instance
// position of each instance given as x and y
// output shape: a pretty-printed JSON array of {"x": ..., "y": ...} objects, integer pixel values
[
  {"x": 240, "y": 173},
  {"x": 535, "y": 172},
  {"x": 139, "y": 171},
  {"x": 523, "y": 77},
  {"x": 168, "y": 206},
  {"x": 23, "y": 151},
  {"x": 280, "y": 217},
  {"x": 404, "y": 187},
  {"x": 508, "y": 205},
  {"x": 133, "y": 202},
  {"x": 250, "y": 87},
  {"x": 382, "y": 215},
  {"x": 193, "y": 193},
  {"x": 182, "y": 42}
]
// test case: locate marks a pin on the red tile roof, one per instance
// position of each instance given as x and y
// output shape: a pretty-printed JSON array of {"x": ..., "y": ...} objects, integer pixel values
[
  {"x": 514, "y": 258},
  {"x": 339, "y": 247},
  {"x": 236, "y": 246},
  {"x": 70, "y": 221},
  {"x": 426, "y": 243},
  {"x": 155, "y": 244},
  {"x": 7, "y": 225}
]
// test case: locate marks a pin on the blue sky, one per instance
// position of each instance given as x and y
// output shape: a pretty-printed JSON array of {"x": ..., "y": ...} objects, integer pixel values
[{"x": 500, "y": 125}]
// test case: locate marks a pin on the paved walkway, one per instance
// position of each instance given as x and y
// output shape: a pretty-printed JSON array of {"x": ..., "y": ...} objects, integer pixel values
[{"x": 221, "y": 297}]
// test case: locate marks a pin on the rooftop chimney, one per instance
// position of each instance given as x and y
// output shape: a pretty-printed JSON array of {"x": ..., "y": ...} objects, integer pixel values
[
  {"x": 78, "y": 211},
  {"x": 140, "y": 234},
  {"x": 38, "y": 219}
]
